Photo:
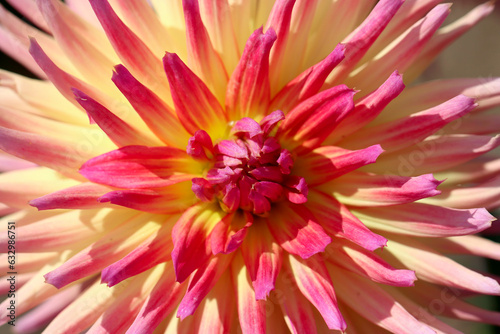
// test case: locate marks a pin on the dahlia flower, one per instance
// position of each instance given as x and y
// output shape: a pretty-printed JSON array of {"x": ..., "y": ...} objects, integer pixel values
[{"x": 226, "y": 166}]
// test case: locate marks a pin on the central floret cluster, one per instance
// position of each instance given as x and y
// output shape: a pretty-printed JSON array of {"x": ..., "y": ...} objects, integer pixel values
[{"x": 248, "y": 172}]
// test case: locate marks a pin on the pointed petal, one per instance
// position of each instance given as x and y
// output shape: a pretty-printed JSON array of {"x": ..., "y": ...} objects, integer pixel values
[
  {"x": 230, "y": 232},
  {"x": 251, "y": 312},
  {"x": 337, "y": 220},
  {"x": 279, "y": 20},
  {"x": 56, "y": 154},
  {"x": 105, "y": 251},
  {"x": 159, "y": 304},
  {"x": 190, "y": 238},
  {"x": 17, "y": 186},
  {"x": 447, "y": 35},
  {"x": 310, "y": 123},
  {"x": 202, "y": 57},
  {"x": 369, "y": 107},
  {"x": 486, "y": 93},
  {"x": 216, "y": 16},
  {"x": 172, "y": 199},
  {"x": 308, "y": 83},
  {"x": 296, "y": 309},
  {"x": 157, "y": 248},
  {"x": 374, "y": 304},
  {"x": 420, "y": 219},
  {"x": 370, "y": 265},
  {"x": 329, "y": 162},
  {"x": 132, "y": 51},
  {"x": 73, "y": 228},
  {"x": 141, "y": 167},
  {"x": 262, "y": 258},
  {"x": 41, "y": 316},
  {"x": 92, "y": 58},
  {"x": 359, "y": 41},
  {"x": 196, "y": 107},
  {"x": 159, "y": 117},
  {"x": 435, "y": 268},
  {"x": 436, "y": 154},
  {"x": 81, "y": 196},
  {"x": 248, "y": 90},
  {"x": 121, "y": 133},
  {"x": 456, "y": 307},
  {"x": 314, "y": 282},
  {"x": 412, "y": 129},
  {"x": 467, "y": 244},
  {"x": 485, "y": 194},
  {"x": 119, "y": 316},
  {"x": 295, "y": 229},
  {"x": 401, "y": 53},
  {"x": 201, "y": 283},
  {"x": 361, "y": 189}
]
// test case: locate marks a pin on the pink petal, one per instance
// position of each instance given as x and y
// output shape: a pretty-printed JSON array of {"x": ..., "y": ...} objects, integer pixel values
[
  {"x": 314, "y": 282},
  {"x": 121, "y": 133},
  {"x": 279, "y": 20},
  {"x": 429, "y": 94},
  {"x": 329, "y": 162},
  {"x": 201, "y": 283},
  {"x": 310, "y": 123},
  {"x": 296, "y": 308},
  {"x": 159, "y": 117},
  {"x": 100, "y": 254},
  {"x": 412, "y": 129},
  {"x": 337, "y": 220},
  {"x": 308, "y": 83},
  {"x": 402, "y": 52},
  {"x": 359, "y": 41},
  {"x": 230, "y": 232},
  {"x": 448, "y": 35},
  {"x": 295, "y": 230},
  {"x": 383, "y": 190},
  {"x": 42, "y": 315},
  {"x": 11, "y": 163},
  {"x": 190, "y": 238},
  {"x": 251, "y": 312},
  {"x": 91, "y": 58},
  {"x": 14, "y": 48},
  {"x": 82, "y": 196},
  {"x": 140, "y": 167},
  {"x": 485, "y": 194},
  {"x": 457, "y": 308},
  {"x": 426, "y": 220},
  {"x": 131, "y": 49},
  {"x": 160, "y": 303},
  {"x": 29, "y": 10},
  {"x": 202, "y": 57},
  {"x": 262, "y": 258},
  {"x": 436, "y": 268},
  {"x": 172, "y": 199},
  {"x": 369, "y": 107},
  {"x": 248, "y": 90},
  {"x": 374, "y": 304},
  {"x": 125, "y": 305},
  {"x": 470, "y": 244},
  {"x": 196, "y": 107},
  {"x": 156, "y": 248},
  {"x": 370, "y": 265},
  {"x": 436, "y": 154},
  {"x": 41, "y": 150},
  {"x": 64, "y": 82}
]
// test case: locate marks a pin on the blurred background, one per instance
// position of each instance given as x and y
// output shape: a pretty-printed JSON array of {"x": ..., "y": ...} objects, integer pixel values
[{"x": 476, "y": 54}]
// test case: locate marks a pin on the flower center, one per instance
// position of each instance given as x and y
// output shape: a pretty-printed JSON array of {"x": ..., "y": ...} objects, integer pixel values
[{"x": 250, "y": 171}]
